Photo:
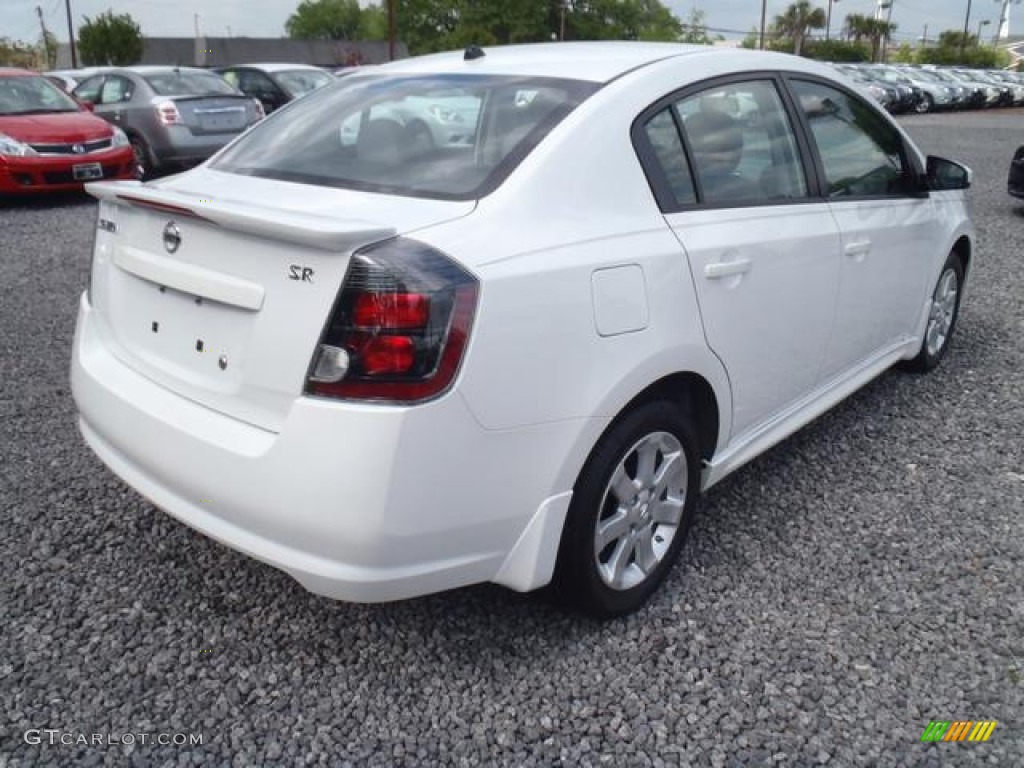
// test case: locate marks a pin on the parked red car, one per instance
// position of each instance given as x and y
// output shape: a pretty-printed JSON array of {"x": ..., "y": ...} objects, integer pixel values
[{"x": 48, "y": 141}]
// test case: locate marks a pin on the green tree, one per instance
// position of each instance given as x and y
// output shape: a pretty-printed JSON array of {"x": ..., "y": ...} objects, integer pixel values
[
  {"x": 48, "y": 43},
  {"x": 695, "y": 30},
  {"x": 325, "y": 20},
  {"x": 836, "y": 50},
  {"x": 954, "y": 48},
  {"x": 905, "y": 54},
  {"x": 797, "y": 21},
  {"x": 857, "y": 27},
  {"x": 753, "y": 39},
  {"x": 373, "y": 23},
  {"x": 14, "y": 53},
  {"x": 877, "y": 32},
  {"x": 881, "y": 31},
  {"x": 622, "y": 20},
  {"x": 435, "y": 25},
  {"x": 110, "y": 39}
]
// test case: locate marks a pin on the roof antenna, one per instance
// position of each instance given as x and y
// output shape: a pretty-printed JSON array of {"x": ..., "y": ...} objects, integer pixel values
[{"x": 473, "y": 52}]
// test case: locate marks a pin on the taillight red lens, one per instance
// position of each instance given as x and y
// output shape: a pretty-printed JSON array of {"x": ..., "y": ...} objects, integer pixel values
[
  {"x": 399, "y": 328},
  {"x": 392, "y": 310},
  {"x": 168, "y": 113},
  {"x": 388, "y": 354}
]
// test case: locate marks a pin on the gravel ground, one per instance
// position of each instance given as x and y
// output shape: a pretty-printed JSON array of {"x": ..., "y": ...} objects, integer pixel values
[{"x": 861, "y": 579}]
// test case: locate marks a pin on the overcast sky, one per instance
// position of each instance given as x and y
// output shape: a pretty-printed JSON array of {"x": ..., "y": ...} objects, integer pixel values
[{"x": 261, "y": 18}]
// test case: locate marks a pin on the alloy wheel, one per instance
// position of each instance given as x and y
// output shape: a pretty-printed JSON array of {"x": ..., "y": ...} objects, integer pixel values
[
  {"x": 641, "y": 510},
  {"x": 943, "y": 312}
]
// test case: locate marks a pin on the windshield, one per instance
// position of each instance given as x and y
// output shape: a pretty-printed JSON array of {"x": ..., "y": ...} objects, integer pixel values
[
  {"x": 299, "y": 82},
  {"x": 33, "y": 95},
  {"x": 183, "y": 83},
  {"x": 451, "y": 137}
]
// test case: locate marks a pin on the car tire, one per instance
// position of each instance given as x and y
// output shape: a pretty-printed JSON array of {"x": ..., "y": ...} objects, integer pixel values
[
  {"x": 945, "y": 309},
  {"x": 927, "y": 104},
  {"x": 143, "y": 157},
  {"x": 631, "y": 510}
]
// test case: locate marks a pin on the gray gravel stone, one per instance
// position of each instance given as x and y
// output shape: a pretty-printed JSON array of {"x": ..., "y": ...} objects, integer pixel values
[{"x": 857, "y": 581}]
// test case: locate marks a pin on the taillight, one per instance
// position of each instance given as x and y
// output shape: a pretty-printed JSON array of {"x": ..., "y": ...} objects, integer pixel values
[
  {"x": 399, "y": 326},
  {"x": 167, "y": 112}
]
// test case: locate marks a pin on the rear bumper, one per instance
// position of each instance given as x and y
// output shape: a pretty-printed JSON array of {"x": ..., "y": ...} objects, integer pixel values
[
  {"x": 181, "y": 148},
  {"x": 53, "y": 173},
  {"x": 356, "y": 502}
]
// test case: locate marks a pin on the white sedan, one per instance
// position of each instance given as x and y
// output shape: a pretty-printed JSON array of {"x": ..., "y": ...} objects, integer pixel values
[{"x": 390, "y": 367}]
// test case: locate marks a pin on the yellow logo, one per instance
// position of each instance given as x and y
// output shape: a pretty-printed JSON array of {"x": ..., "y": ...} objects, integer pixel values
[{"x": 959, "y": 730}]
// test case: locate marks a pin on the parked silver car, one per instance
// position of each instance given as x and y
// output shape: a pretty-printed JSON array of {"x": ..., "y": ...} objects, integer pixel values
[{"x": 175, "y": 117}]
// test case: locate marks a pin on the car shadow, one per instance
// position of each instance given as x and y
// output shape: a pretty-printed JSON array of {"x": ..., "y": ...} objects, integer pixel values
[{"x": 44, "y": 201}]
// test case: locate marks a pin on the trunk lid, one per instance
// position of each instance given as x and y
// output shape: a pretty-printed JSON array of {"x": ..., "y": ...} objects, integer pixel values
[
  {"x": 220, "y": 297},
  {"x": 207, "y": 115}
]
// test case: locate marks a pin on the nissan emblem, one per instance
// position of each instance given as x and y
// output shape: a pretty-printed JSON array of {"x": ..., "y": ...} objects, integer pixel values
[{"x": 172, "y": 237}]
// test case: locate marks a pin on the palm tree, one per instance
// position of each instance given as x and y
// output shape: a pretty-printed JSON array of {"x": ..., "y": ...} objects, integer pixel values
[
  {"x": 858, "y": 26},
  {"x": 880, "y": 32},
  {"x": 797, "y": 21}
]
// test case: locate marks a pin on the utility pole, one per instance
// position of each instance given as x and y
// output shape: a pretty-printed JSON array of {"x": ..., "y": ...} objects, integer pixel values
[
  {"x": 71, "y": 35},
  {"x": 828, "y": 20},
  {"x": 967, "y": 22},
  {"x": 1003, "y": 30},
  {"x": 46, "y": 36},
  {"x": 561, "y": 23},
  {"x": 764, "y": 15},
  {"x": 391, "y": 30},
  {"x": 885, "y": 37}
]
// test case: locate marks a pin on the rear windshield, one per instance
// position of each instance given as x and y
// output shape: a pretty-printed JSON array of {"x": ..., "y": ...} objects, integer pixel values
[
  {"x": 189, "y": 84},
  {"x": 452, "y": 137}
]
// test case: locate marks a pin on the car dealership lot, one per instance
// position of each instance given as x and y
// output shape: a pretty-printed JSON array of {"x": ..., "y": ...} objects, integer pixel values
[{"x": 861, "y": 579}]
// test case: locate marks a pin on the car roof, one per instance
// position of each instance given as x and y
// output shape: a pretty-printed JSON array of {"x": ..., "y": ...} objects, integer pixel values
[
  {"x": 594, "y": 61},
  {"x": 154, "y": 69},
  {"x": 14, "y": 71},
  {"x": 80, "y": 72},
  {"x": 280, "y": 66}
]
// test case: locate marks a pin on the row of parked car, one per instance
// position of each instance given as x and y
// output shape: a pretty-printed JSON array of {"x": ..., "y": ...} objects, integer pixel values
[
  {"x": 153, "y": 118},
  {"x": 906, "y": 88}
]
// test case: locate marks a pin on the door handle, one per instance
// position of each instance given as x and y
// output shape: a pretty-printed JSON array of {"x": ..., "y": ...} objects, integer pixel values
[
  {"x": 857, "y": 251},
  {"x": 722, "y": 269}
]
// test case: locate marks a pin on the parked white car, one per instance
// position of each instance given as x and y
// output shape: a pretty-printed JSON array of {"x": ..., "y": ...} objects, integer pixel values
[{"x": 391, "y": 367}]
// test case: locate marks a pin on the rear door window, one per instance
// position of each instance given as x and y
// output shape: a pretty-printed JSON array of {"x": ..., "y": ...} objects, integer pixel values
[
  {"x": 728, "y": 144},
  {"x": 742, "y": 144}
]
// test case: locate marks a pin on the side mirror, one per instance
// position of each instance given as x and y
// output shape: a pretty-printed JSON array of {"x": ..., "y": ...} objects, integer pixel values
[
  {"x": 88, "y": 105},
  {"x": 944, "y": 175}
]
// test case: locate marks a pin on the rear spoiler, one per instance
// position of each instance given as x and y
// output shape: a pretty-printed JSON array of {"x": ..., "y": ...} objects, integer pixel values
[{"x": 327, "y": 233}]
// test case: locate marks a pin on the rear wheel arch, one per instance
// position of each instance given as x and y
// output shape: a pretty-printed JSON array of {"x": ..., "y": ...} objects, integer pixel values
[{"x": 695, "y": 398}]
